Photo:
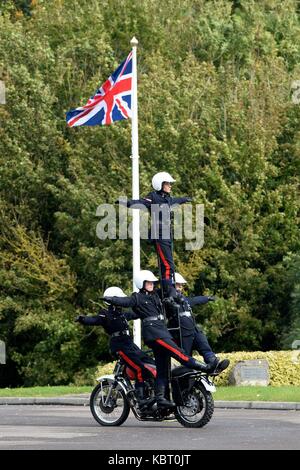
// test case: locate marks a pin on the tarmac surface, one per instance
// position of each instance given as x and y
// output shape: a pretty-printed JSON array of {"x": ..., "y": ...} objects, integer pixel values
[{"x": 73, "y": 428}]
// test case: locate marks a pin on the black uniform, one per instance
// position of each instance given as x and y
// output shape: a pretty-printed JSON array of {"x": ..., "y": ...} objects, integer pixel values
[
  {"x": 148, "y": 307},
  {"x": 159, "y": 204},
  {"x": 192, "y": 338},
  {"x": 114, "y": 322}
]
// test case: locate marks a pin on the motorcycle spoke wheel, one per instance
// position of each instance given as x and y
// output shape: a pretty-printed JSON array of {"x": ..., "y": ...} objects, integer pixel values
[
  {"x": 198, "y": 408},
  {"x": 108, "y": 404}
]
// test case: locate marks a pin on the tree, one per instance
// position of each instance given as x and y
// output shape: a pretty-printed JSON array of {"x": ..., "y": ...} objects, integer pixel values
[
  {"x": 291, "y": 332},
  {"x": 215, "y": 110}
]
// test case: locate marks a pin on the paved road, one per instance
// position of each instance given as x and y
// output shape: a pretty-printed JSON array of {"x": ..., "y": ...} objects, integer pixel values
[{"x": 73, "y": 427}]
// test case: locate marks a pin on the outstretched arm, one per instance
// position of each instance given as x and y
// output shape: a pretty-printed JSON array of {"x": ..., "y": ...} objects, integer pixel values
[
  {"x": 92, "y": 321},
  {"x": 143, "y": 201},
  {"x": 122, "y": 301},
  {"x": 139, "y": 202},
  {"x": 198, "y": 300},
  {"x": 180, "y": 200}
]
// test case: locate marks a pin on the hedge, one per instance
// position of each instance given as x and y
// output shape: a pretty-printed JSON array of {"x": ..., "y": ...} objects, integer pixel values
[{"x": 284, "y": 366}]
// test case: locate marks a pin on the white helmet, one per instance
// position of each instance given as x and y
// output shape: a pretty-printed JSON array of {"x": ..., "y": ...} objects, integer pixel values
[
  {"x": 114, "y": 292},
  {"x": 159, "y": 179},
  {"x": 143, "y": 276},
  {"x": 179, "y": 279}
]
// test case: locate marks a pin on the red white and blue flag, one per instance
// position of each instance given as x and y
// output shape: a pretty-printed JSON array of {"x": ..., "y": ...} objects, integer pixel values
[{"x": 111, "y": 102}]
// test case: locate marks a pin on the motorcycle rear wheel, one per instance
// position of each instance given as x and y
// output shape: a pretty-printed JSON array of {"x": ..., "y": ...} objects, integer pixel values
[
  {"x": 198, "y": 409},
  {"x": 113, "y": 413}
]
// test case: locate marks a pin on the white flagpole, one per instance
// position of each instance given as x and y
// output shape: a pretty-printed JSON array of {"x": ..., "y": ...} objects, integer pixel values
[{"x": 135, "y": 183}]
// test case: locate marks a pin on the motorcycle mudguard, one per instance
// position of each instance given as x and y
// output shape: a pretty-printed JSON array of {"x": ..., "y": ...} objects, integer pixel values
[
  {"x": 112, "y": 377},
  {"x": 209, "y": 386}
]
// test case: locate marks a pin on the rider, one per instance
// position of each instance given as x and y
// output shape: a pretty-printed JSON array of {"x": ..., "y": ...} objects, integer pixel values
[
  {"x": 159, "y": 203},
  {"x": 147, "y": 305},
  {"x": 114, "y": 322},
  {"x": 179, "y": 312}
]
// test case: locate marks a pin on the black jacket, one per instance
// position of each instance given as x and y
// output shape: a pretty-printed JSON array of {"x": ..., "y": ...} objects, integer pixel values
[
  {"x": 159, "y": 205},
  {"x": 184, "y": 305},
  {"x": 146, "y": 304},
  {"x": 112, "y": 320}
]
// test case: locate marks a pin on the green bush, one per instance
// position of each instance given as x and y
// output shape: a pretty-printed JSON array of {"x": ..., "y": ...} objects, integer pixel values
[{"x": 284, "y": 366}]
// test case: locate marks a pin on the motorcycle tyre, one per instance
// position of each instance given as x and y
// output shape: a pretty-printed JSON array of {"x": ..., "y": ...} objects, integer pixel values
[{"x": 123, "y": 416}]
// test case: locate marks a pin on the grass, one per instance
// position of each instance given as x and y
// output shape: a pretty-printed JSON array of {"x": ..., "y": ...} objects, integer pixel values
[
  {"x": 280, "y": 393},
  {"x": 283, "y": 393},
  {"x": 44, "y": 391}
]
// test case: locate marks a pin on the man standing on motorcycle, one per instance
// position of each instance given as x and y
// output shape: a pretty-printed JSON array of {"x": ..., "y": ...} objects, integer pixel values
[
  {"x": 159, "y": 203},
  {"x": 114, "y": 322},
  {"x": 147, "y": 305},
  {"x": 180, "y": 315}
]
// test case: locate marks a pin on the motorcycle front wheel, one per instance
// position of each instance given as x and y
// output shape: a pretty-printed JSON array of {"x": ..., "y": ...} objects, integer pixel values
[
  {"x": 108, "y": 404},
  {"x": 198, "y": 408}
]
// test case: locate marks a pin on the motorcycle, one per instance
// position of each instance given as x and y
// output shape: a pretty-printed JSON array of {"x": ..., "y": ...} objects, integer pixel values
[{"x": 115, "y": 395}]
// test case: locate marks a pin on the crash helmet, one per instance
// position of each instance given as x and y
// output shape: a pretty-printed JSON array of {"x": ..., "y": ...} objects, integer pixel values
[
  {"x": 113, "y": 292},
  {"x": 179, "y": 279},
  {"x": 143, "y": 276},
  {"x": 159, "y": 178}
]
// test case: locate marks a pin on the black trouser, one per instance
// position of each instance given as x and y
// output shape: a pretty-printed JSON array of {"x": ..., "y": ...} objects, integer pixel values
[
  {"x": 197, "y": 341},
  {"x": 167, "y": 267},
  {"x": 163, "y": 349},
  {"x": 136, "y": 359}
]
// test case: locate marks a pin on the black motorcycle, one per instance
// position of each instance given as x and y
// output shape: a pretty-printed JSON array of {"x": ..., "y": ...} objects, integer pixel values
[{"x": 115, "y": 395}]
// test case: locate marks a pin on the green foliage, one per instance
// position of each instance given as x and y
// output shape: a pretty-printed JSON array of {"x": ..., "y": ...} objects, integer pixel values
[
  {"x": 292, "y": 329},
  {"x": 284, "y": 366},
  {"x": 35, "y": 307},
  {"x": 215, "y": 110}
]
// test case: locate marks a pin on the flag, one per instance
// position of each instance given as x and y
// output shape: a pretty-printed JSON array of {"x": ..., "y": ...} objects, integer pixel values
[{"x": 111, "y": 102}]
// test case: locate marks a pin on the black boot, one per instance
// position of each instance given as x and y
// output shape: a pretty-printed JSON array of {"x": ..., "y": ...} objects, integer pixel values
[
  {"x": 161, "y": 399},
  {"x": 216, "y": 366},
  {"x": 222, "y": 365},
  {"x": 202, "y": 367},
  {"x": 140, "y": 394}
]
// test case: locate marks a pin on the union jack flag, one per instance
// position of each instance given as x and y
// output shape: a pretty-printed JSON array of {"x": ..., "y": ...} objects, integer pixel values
[{"x": 111, "y": 102}]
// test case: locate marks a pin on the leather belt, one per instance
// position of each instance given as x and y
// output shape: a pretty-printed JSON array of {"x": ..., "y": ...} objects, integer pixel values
[
  {"x": 120, "y": 333},
  {"x": 159, "y": 317}
]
